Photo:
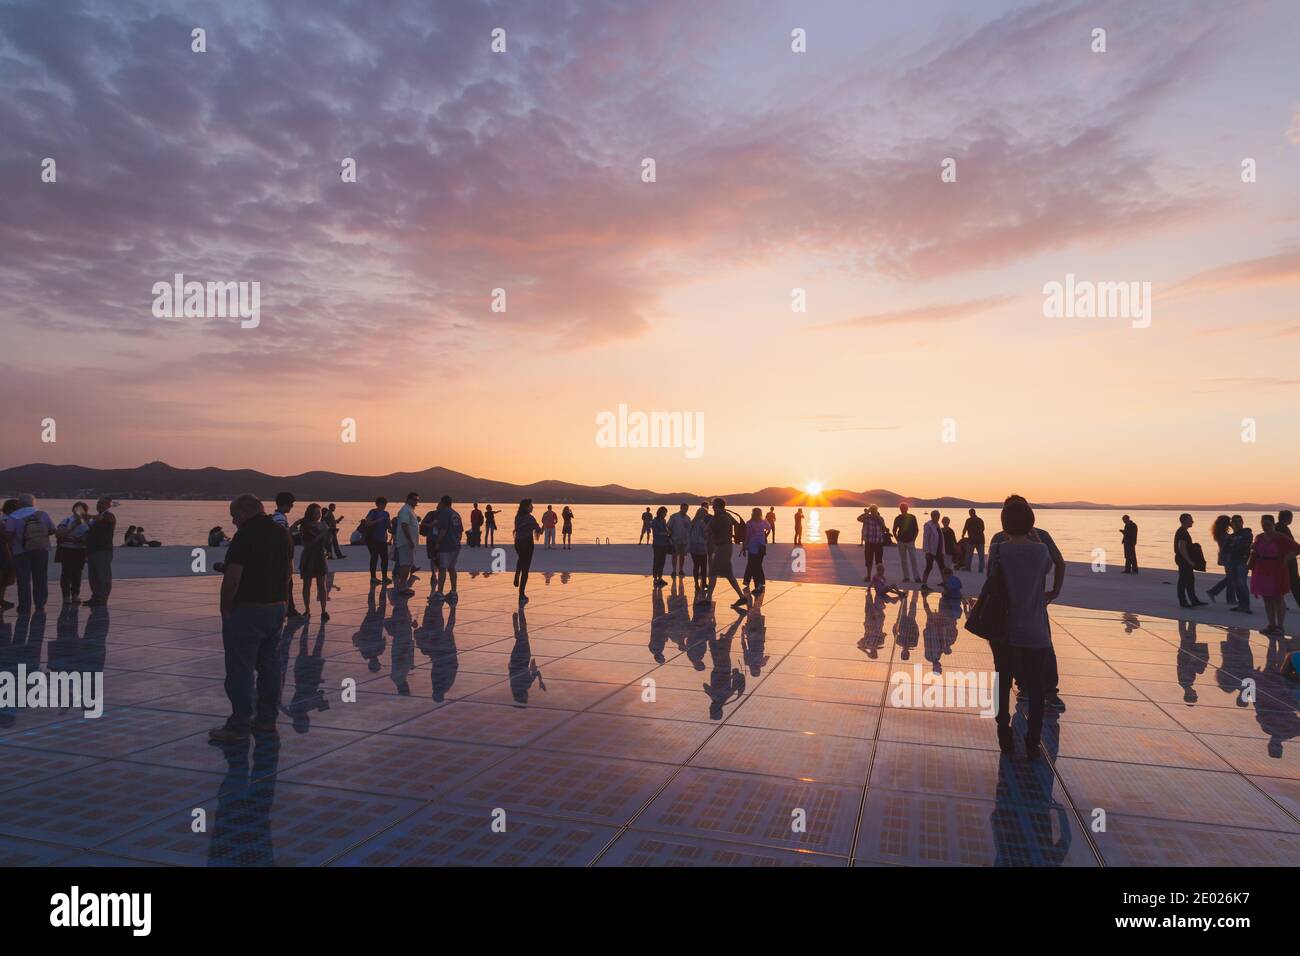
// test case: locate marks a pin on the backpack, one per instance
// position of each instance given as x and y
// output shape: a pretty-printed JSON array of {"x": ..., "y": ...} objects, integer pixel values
[
  {"x": 737, "y": 528},
  {"x": 35, "y": 534}
]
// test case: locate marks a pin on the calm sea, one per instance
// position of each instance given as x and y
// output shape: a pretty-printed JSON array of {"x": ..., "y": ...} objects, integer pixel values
[{"x": 1077, "y": 533}]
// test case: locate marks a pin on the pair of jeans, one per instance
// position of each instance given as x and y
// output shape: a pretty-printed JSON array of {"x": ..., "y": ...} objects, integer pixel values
[
  {"x": 1186, "y": 583},
  {"x": 1130, "y": 558},
  {"x": 32, "y": 569},
  {"x": 1240, "y": 582},
  {"x": 250, "y": 637},
  {"x": 71, "y": 560},
  {"x": 907, "y": 558},
  {"x": 661, "y": 552},
  {"x": 930, "y": 561},
  {"x": 1228, "y": 583},
  {"x": 754, "y": 569},
  {"x": 1033, "y": 669},
  {"x": 99, "y": 565},
  {"x": 378, "y": 555},
  {"x": 977, "y": 547},
  {"x": 524, "y": 548}
]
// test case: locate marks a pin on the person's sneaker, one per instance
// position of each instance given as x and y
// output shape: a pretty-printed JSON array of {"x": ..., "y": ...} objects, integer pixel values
[
  {"x": 523, "y": 599},
  {"x": 452, "y": 597},
  {"x": 91, "y": 603},
  {"x": 227, "y": 735},
  {"x": 294, "y": 614},
  {"x": 388, "y": 580},
  {"x": 324, "y": 615}
]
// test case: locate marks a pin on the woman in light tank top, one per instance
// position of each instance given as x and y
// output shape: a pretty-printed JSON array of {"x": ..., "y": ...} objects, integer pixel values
[{"x": 1025, "y": 563}]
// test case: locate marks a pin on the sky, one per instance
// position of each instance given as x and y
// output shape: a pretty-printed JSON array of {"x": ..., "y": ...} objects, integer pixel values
[{"x": 922, "y": 361}]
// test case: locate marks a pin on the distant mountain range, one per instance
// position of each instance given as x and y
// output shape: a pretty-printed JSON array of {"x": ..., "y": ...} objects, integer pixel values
[{"x": 160, "y": 480}]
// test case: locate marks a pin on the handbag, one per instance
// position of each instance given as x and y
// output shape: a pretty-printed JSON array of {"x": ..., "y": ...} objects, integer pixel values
[{"x": 990, "y": 617}]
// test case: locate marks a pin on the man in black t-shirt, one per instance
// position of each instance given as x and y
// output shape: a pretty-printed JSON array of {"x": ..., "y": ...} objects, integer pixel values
[
  {"x": 973, "y": 531},
  {"x": 254, "y": 589},
  {"x": 1186, "y": 563},
  {"x": 720, "y": 532}
]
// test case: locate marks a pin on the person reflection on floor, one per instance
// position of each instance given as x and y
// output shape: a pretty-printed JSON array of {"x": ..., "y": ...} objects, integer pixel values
[
  {"x": 1275, "y": 702},
  {"x": 241, "y": 832},
  {"x": 436, "y": 640},
  {"x": 369, "y": 639},
  {"x": 660, "y": 626},
  {"x": 522, "y": 666},
  {"x": 873, "y": 623},
  {"x": 702, "y": 629},
  {"x": 940, "y": 630},
  {"x": 679, "y": 614},
  {"x": 1238, "y": 664},
  {"x": 725, "y": 680},
  {"x": 906, "y": 633},
  {"x": 308, "y": 678},
  {"x": 1024, "y": 813},
  {"x": 753, "y": 640},
  {"x": 1193, "y": 659},
  {"x": 403, "y": 656}
]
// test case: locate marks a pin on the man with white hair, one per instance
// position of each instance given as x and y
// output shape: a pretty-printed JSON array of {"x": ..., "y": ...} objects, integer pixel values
[
  {"x": 254, "y": 594},
  {"x": 28, "y": 530}
]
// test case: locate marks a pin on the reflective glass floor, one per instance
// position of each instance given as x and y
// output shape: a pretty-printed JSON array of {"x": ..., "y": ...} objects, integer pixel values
[{"x": 609, "y": 727}]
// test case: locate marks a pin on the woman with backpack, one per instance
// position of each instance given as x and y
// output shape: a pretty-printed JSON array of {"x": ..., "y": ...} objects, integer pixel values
[{"x": 724, "y": 532}]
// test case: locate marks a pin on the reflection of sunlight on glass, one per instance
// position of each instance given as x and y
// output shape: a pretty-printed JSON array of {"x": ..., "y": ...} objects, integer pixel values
[{"x": 814, "y": 525}]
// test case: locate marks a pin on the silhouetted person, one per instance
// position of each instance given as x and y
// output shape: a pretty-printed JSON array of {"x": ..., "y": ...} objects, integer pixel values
[
  {"x": 699, "y": 545},
  {"x": 1239, "y": 546},
  {"x": 1269, "y": 576},
  {"x": 873, "y": 541},
  {"x": 1293, "y": 570},
  {"x": 1221, "y": 533},
  {"x": 490, "y": 526},
  {"x": 522, "y": 667},
  {"x": 679, "y": 532},
  {"x": 1185, "y": 559},
  {"x": 1129, "y": 537},
  {"x": 935, "y": 547},
  {"x": 647, "y": 519},
  {"x": 527, "y": 531},
  {"x": 376, "y": 524},
  {"x": 254, "y": 591},
  {"x": 284, "y": 503},
  {"x": 756, "y": 529},
  {"x": 661, "y": 543},
  {"x": 798, "y": 526},
  {"x": 1024, "y": 563},
  {"x": 722, "y": 532},
  {"x": 905, "y": 532},
  {"x": 973, "y": 531}
]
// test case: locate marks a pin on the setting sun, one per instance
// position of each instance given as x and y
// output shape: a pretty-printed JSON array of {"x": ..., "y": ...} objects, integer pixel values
[{"x": 813, "y": 488}]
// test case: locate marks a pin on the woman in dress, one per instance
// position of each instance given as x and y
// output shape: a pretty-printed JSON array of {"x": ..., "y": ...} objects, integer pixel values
[
  {"x": 566, "y": 529},
  {"x": 1269, "y": 576},
  {"x": 312, "y": 566},
  {"x": 527, "y": 531}
]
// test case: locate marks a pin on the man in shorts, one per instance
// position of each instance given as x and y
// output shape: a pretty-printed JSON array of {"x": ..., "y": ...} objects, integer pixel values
[
  {"x": 449, "y": 531},
  {"x": 679, "y": 531},
  {"x": 406, "y": 533},
  {"x": 721, "y": 541}
]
